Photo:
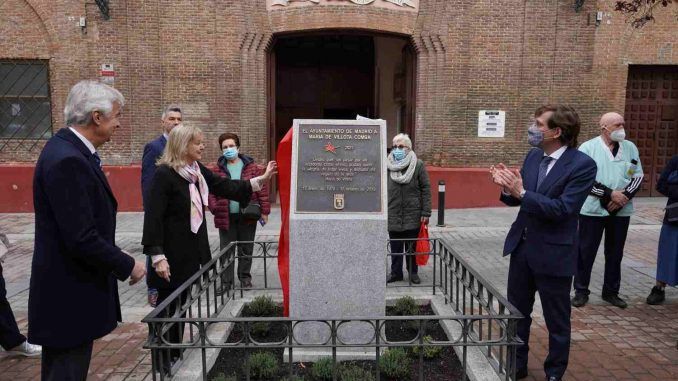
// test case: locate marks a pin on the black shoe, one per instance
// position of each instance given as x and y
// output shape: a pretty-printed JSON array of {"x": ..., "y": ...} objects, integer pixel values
[
  {"x": 553, "y": 378},
  {"x": 656, "y": 296},
  {"x": 615, "y": 300},
  {"x": 521, "y": 373},
  {"x": 246, "y": 283},
  {"x": 415, "y": 278},
  {"x": 394, "y": 278},
  {"x": 579, "y": 300}
]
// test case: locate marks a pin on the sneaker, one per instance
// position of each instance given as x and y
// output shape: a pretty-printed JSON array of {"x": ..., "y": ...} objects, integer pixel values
[
  {"x": 656, "y": 296},
  {"x": 615, "y": 300},
  {"x": 26, "y": 349},
  {"x": 579, "y": 300}
]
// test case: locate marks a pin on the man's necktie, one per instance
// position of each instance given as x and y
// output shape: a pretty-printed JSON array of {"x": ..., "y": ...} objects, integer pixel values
[
  {"x": 98, "y": 159},
  {"x": 543, "y": 167}
]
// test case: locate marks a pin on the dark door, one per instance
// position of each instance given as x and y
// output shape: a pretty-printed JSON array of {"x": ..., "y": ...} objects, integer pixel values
[
  {"x": 323, "y": 77},
  {"x": 652, "y": 118}
]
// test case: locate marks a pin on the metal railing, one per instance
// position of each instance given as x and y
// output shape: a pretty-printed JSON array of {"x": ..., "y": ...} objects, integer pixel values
[{"x": 483, "y": 319}]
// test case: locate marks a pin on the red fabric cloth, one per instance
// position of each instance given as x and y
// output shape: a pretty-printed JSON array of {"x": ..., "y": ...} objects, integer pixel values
[
  {"x": 220, "y": 206},
  {"x": 284, "y": 159}
]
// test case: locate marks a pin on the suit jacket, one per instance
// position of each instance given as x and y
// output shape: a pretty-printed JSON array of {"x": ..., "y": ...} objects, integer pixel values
[
  {"x": 73, "y": 295},
  {"x": 167, "y": 227},
  {"x": 548, "y": 216},
  {"x": 152, "y": 151}
]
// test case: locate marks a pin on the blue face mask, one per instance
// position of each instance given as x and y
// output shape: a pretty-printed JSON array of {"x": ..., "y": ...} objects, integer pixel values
[
  {"x": 535, "y": 137},
  {"x": 398, "y": 154},
  {"x": 231, "y": 153}
]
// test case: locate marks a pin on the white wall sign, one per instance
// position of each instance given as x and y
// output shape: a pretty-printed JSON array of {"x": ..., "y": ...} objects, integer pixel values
[{"x": 491, "y": 123}]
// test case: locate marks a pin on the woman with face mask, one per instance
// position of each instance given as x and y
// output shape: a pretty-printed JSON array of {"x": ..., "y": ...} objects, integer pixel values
[
  {"x": 409, "y": 204},
  {"x": 228, "y": 217}
]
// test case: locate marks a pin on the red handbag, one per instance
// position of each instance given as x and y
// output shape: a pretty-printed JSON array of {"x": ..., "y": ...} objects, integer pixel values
[{"x": 423, "y": 247}]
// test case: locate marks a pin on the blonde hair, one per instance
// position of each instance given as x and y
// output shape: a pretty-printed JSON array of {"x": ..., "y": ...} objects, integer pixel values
[{"x": 177, "y": 145}]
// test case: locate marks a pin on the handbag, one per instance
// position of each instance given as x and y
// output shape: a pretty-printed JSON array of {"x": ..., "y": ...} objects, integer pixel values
[
  {"x": 251, "y": 212},
  {"x": 423, "y": 247},
  {"x": 672, "y": 212}
]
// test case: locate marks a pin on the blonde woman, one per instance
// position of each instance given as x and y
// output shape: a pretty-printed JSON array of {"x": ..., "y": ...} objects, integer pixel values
[{"x": 175, "y": 233}]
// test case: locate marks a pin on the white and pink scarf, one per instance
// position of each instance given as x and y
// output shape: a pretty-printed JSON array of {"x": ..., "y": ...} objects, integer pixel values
[{"x": 191, "y": 173}]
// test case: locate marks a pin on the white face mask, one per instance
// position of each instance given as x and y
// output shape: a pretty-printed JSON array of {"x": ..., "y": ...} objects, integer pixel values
[{"x": 618, "y": 135}]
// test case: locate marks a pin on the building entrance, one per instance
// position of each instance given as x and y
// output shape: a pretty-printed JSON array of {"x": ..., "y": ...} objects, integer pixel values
[
  {"x": 652, "y": 118},
  {"x": 341, "y": 75}
]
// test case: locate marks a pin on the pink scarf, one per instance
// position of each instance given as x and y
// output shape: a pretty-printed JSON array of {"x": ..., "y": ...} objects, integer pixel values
[{"x": 191, "y": 173}]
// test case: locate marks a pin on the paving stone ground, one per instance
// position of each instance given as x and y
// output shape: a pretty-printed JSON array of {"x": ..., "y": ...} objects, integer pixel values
[{"x": 639, "y": 343}]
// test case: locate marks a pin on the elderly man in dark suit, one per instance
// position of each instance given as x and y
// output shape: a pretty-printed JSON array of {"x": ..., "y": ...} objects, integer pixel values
[
  {"x": 73, "y": 296},
  {"x": 171, "y": 117},
  {"x": 550, "y": 189}
]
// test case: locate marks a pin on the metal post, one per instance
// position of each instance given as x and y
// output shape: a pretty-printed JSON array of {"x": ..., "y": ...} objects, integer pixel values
[{"x": 441, "y": 203}]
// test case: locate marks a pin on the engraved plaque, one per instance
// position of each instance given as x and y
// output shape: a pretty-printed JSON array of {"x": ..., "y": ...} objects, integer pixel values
[{"x": 339, "y": 168}]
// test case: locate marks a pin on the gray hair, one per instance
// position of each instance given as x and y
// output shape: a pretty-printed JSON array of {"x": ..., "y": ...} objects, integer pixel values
[
  {"x": 405, "y": 138},
  {"x": 170, "y": 108},
  {"x": 87, "y": 97}
]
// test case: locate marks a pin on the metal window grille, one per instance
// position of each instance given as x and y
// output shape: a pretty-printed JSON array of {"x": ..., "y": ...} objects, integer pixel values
[{"x": 25, "y": 104}]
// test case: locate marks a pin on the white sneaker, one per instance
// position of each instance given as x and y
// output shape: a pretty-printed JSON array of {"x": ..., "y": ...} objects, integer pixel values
[{"x": 26, "y": 349}]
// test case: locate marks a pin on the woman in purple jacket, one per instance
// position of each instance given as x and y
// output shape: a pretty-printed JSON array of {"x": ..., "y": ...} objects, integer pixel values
[{"x": 227, "y": 213}]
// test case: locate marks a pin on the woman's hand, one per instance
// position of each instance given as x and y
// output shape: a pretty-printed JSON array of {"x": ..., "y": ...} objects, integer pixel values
[
  {"x": 163, "y": 270},
  {"x": 265, "y": 218},
  {"x": 271, "y": 169},
  {"x": 424, "y": 220}
]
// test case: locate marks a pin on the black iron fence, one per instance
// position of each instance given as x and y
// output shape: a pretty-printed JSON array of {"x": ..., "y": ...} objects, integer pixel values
[{"x": 483, "y": 320}]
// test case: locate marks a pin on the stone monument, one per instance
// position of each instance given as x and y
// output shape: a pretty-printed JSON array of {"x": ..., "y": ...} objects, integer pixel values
[{"x": 338, "y": 231}]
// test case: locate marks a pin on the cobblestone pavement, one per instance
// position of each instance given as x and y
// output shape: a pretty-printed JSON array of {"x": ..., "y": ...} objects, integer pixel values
[{"x": 639, "y": 343}]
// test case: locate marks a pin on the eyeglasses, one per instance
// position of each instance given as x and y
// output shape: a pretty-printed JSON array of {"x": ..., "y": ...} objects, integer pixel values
[{"x": 399, "y": 146}]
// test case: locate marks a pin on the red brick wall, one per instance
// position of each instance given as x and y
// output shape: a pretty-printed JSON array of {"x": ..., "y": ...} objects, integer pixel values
[{"x": 211, "y": 57}]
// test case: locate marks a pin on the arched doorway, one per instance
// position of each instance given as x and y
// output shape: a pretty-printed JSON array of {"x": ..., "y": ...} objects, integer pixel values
[{"x": 340, "y": 74}]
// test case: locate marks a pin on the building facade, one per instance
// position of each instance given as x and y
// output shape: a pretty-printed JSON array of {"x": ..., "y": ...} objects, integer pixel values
[{"x": 428, "y": 67}]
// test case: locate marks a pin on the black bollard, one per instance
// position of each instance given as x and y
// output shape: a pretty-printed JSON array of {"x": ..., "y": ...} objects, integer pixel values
[{"x": 441, "y": 203}]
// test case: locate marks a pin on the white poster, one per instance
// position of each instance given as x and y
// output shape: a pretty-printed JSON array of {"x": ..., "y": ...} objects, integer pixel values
[{"x": 491, "y": 123}]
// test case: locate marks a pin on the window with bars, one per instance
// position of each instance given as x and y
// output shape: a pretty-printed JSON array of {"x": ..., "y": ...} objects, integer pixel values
[{"x": 25, "y": 104}]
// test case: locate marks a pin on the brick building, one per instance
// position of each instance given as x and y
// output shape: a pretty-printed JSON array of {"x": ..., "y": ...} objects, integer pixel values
[{"x": 250, "y": 66}]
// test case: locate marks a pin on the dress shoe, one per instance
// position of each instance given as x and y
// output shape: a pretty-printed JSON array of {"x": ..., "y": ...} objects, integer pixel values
[
  {"x": 553, "y": 378},
  {"x": 579, "y": 300},
  {"x": 394, "y": 278},
  {"x": 521, "y": 373},
  {"x": 615, "y": 300},
  {"x": 657, "y": 296},
  {"x": 246, "y": 283},
  {"x": 415, "y": 278}
]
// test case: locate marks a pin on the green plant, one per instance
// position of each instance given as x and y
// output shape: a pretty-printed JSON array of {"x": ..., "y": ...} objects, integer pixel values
[
  {"x": 430, "y": 351},
  {"x": 354, "y": 373},
  {"x": 394, "y": 363},
  {"x": 407, "y": 306},
  {"x": 262, "y": 365},
  {"x": 322, "y": 369},
  {"x": 223, "y": 377},
  {"x": 293, "y": 378},
  {"x": 262, "y": 306}
]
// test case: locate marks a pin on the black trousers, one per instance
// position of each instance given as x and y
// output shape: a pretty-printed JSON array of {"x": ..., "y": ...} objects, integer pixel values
[
  {"x": 175, "y": 334},
  {"x": 403, "y": 247},
  {"x": 70, "y": 364},
  {"x": 554, "y": 293},
  {"x": 10, "y": 336},
  {"x": 238, "y": 230},
  {"x": 590, "y": 234}
]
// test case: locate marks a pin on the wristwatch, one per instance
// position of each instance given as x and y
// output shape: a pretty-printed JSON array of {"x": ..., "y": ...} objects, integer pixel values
[{"x": 522, "y": 193}]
